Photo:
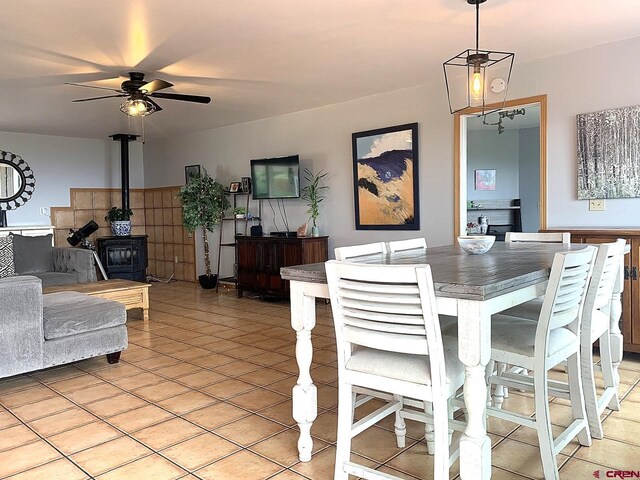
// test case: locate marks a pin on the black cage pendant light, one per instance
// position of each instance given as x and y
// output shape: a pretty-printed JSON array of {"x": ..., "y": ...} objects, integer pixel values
[{"x": 476, "y": 78}]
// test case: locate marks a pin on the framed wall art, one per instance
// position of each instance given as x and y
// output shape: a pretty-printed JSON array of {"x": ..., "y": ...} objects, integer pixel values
[
  {"x": 485, "y": 179},
  {"x": 385, "y": 177},
  {"x": 609, "y": 153},
  {"x": 234, "y": 187},
  {"x": 191, "y": 171}
]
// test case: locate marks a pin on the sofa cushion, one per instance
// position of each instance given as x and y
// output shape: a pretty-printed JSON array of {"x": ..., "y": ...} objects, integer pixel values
[
  {"x": 32, "y": 254},
  {"x": 7, "y": 268},
  {"x": 52, "y": 279},
  {"x": 71, "y": 313}
]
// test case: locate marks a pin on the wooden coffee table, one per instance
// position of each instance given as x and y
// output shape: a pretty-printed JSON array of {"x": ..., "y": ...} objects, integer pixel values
[{"x": 131, "y": 294}]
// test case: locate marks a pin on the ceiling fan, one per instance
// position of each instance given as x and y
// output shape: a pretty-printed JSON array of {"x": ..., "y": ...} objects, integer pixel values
[{"x": 140, "y": 102}]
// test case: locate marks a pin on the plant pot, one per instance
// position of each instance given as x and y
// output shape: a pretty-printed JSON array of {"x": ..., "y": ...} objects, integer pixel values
[
  {"x": 315, "y": 231},
  {"x": 121, "y": 228},
  {"x": 208, "y": 281}
]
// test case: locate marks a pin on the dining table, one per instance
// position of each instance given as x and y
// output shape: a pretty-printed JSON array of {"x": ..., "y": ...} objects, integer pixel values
[{"x": 469, "y": 287}]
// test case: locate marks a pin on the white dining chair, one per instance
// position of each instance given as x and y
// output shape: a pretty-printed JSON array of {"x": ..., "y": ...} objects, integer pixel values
[
  {"x": 352, "y": 251},
  {"x": 534, "y": 305},
  {"x": 410, "y": 244},
  {"x": 595, "y": 327},
  {"x": 388, "y": 339},
  {"x": 542, "y": 345},
  {"x": 537, "y": 237}
]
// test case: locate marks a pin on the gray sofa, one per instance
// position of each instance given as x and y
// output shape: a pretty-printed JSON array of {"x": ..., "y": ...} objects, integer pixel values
[
  {"x": 39, "y": 331},
  {"x": 53, "y": 265}
]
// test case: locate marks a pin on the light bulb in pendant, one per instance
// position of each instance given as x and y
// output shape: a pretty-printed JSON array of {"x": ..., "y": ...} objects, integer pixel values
[{"x": 476, "y": 87}]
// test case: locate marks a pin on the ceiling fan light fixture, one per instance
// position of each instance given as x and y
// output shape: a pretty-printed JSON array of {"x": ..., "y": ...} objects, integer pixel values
[
  {"x": 137, "y": 107},
  {"x": 468, "y": 75}
]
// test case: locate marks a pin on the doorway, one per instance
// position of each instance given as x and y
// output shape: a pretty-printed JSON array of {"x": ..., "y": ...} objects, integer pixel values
[{"x": 500, "y": 168}]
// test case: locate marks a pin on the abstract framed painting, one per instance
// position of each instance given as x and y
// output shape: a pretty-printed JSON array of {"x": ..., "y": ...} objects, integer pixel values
[
  {"x": 485, "y": 179},
  {"x": 385, "y": 178}
]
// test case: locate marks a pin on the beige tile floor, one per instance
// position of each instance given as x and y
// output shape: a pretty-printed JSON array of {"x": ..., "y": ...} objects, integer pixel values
[{"x": 204, "y": 391}]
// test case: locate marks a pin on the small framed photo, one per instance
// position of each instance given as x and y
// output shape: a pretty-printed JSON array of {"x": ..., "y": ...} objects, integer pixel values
[
  {"x": 234, "y": 187},
  {"x": 485, "y": 179},
  {"x": 190, "y": 172},
  {"x": 246, "y": 184}
]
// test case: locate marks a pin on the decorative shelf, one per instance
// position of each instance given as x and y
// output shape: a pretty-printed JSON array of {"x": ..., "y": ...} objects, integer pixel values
[{"x": 492, "y": 208}]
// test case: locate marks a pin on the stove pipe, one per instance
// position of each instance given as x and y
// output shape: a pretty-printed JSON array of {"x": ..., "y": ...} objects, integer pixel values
[{"x": 124, "y": 139}]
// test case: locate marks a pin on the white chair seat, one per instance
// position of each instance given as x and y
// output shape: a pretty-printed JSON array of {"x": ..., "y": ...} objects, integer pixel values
[
  {"x": 407, "y": 367},
  {"x": 517, "y": 336},
  {"x": 531, "y": 311}
]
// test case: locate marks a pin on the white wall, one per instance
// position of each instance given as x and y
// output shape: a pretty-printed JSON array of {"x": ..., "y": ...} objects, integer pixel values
[
  {"x": 593, "y": 79},
  {"x": 61, "y": 163},
  {"x": 529, "y": 156},
  {"x": 487, "y": 150}
]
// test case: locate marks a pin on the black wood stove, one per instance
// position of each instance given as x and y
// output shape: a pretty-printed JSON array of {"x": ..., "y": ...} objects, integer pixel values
[{"x": 124, "y": 257}]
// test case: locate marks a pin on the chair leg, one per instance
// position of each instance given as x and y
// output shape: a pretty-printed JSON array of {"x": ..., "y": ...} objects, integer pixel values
[
  {"x": 441, "y": 439},
  {"x": 543, "y": 426},
  {"x": 608, "y": 375},
  {"x": 489, "y": 369},
  {"x": 429, "y": 434},
  {"x": 343, "y": 443},
  {"x": 500, "y": 392},
  {"x": 400, "y": 426},
  {"x": 450, "y": 417},
  {"x": 589, "y": 393},
  {"x": 577, "y": 400}
]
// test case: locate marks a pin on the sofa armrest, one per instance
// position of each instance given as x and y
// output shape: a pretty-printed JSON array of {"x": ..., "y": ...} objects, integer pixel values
[
  {"x": 75, "y": 260},
  {"x": 21, "y": 329}
]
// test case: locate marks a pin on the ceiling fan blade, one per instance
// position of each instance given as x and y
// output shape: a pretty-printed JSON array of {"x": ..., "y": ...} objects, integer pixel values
[
  {"x": 98, "y": 98},
  {"x": 158, "y": 107},
  {"x": 155, "y": 85},
  {"x": 182, "y": 97},
  {"x": 94, "y": 86}
]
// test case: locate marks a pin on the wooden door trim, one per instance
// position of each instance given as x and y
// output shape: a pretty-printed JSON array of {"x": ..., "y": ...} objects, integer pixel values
[{"x": 539, "y": 99}]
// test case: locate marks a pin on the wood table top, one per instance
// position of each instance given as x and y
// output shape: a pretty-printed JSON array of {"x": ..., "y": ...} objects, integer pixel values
[{"x": 457, "y": 274}]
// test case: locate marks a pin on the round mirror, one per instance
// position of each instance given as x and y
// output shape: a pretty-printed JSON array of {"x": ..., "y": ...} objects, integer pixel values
[
  {"x": 11, "y": 182},
  {"x": 17, "y": 181}
]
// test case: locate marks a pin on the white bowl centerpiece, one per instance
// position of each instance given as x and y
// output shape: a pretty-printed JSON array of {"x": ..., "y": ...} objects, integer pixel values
[{"x": 476, "y": 244}]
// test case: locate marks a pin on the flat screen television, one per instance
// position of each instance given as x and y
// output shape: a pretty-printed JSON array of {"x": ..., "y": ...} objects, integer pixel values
[{"x": 275, "y": 177}]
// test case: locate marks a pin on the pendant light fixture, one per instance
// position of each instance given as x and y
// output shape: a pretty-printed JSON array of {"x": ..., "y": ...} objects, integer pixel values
[{"x": 476, "y": 78}]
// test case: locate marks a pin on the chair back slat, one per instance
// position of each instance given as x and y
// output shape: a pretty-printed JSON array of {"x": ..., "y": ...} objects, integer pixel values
[
  {"x": 380, "y": 288},
  {"x": 383, "y": 317},
  {"x": 565, "y": 295},
  {"x": 534, "y": 237},
  {"x": 344, "y": 253},
  {"x": 605, "y": 273},
  {"x": 387, "y": 307},
  {"x": 411, "y": 244}
]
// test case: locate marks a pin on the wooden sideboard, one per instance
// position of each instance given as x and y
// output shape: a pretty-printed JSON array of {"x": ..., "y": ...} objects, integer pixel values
[
  {"x": 631, "y": 293},
  {"x": 260, "y": 259}
]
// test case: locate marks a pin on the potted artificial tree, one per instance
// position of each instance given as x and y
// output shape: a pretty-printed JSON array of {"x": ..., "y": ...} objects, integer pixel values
[
  {"x": 203, "y": 205},
  {"x": 313, "y": 193},
  {"x": 120, "y": 219}
]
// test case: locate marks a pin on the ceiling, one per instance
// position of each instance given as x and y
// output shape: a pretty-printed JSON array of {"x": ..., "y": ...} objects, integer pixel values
[{"x": 259, "y": 58}]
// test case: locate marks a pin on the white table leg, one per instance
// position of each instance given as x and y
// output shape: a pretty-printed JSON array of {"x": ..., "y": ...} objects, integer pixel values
[
  {"x": 474, "y": 351},
  {"x": 305, "y": 393},
  {"x": 615, "y": 335}
]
